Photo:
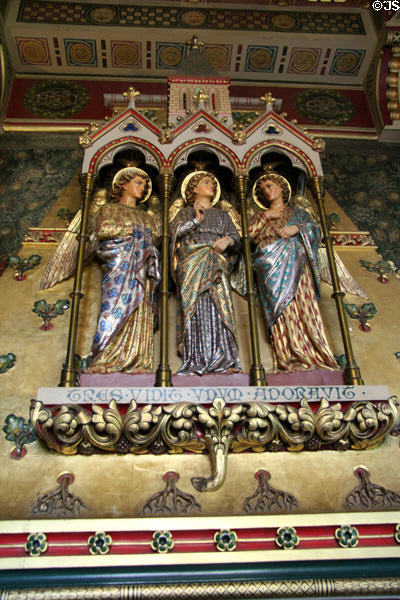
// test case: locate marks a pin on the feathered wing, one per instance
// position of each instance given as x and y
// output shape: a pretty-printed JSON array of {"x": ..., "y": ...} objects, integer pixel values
[
  {"x": 237, "y": 278},
  {"x": 175, "y": 208},
  {"x": 234, "y": 215},
  {"x": 307, "y": 205},
  {"x": 347, "y": 281},
  {"x": 62, "y": 262}
]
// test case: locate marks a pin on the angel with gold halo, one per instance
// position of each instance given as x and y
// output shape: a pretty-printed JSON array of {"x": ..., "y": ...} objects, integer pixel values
[
  {"x": 286, "y": 265},
  {"x": 123, "y": 237},
  {"x": 204, "y": 247}
]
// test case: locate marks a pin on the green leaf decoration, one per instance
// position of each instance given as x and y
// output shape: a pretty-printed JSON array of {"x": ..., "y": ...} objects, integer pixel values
[{"x": 7, "y": 361}]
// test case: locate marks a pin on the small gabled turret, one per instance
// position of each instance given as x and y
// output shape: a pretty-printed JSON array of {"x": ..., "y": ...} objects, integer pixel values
[{"x": 198, "y": 86}]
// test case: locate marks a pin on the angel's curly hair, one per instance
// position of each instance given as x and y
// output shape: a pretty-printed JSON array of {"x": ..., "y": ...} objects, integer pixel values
[
  {"x": 279, "y": 180},
  {"x": 125, "y": 178},
  {"x": 190, "y": 194}
]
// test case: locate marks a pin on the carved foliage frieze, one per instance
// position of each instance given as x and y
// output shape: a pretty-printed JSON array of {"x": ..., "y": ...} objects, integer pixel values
[{"x": 187, "y": 427}]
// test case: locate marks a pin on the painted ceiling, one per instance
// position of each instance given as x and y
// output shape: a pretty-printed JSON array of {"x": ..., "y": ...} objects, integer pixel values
[
  {"x": 306, "y": 41},
  {"x": 315, "y": 56}
]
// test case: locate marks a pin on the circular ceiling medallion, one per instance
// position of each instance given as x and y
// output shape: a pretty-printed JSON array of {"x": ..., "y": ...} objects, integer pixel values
[
  {"x": 284, "y": 22},
  {"x": 170, "y": 56},
  {"x": 34, "y": 52},
  {"x": 194, "y": 18},
  {"x": 260, "y": 59},
  {"x": 125, "y": 55},
  {"x": 346, "y": 62},
  {"x": 56, "y": 99},
  {"x": 102, "y": 15},
  {"x": 80, "y": 53},
  {"x": 217, "y": 56},
  {"x": 326, "y": 107},
  {"x": 304, "y": 61}
]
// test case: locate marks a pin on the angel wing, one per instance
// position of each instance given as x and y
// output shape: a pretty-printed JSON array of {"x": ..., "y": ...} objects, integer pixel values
[
  {"x": 62, "y": 263},
  {"x": 347, "y": 281},
  {"x": 307, "y": 205},
  {"x": 175, "y": 208},
  {"x": 234, "y": 215},
  {"x": 154, "y": 207}
]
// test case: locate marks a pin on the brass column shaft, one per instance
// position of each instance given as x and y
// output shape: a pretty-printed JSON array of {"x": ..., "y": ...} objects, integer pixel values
[
  {"x": 352, "y": 373},
  {"x": 163, "y": 373},
  {"x": 69, "y": 373},
  {"x": 257, "y": 372}
]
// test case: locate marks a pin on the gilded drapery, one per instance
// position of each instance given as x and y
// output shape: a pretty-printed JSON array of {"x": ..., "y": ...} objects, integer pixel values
[
  {"x": 124, "y": 335},
  {"x": 288, "y": 284},
  {"x": 206, "y": 333}
]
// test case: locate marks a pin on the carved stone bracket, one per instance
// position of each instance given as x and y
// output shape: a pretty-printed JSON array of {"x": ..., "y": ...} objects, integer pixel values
[{"x": 217, "y": 429}]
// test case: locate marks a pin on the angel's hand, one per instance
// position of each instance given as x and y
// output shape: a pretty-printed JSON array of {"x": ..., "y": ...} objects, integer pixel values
[
  {"x": 288, "y": 231},
  {"x": 274, "y": 213},
  {"x": 199, "y": 209},
  {"x": 222, "y": 244}
]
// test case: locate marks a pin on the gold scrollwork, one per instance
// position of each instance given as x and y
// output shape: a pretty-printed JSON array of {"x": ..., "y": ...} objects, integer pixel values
[
  {"x": 275, "y": 427},
  {"x": 85, "y": 139},
  {"x": 218, "y": 421},
  {"x": 216, "y": 430}
]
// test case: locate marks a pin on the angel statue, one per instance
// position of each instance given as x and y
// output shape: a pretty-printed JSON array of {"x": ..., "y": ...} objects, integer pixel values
[
  {"x": 123, "y": 237},
  {"x": 286, "y": 265},
  {"x": 204, "y": 247}
]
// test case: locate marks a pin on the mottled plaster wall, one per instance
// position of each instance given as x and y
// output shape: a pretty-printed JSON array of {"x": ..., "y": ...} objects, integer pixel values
[
  {"x": 30, "y": 181},
  {"x": 367, "y": 186}
]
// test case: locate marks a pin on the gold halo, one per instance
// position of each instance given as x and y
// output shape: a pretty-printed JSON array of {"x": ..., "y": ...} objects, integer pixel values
[
  {"x": 265, "y": 178},
  {"x": 133, "y": 171},
  {"x": 189, "y": 177}
]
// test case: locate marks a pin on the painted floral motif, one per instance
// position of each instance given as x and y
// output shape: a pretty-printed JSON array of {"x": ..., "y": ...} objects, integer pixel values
[
  {"x": 287, "y": 538},
  {"x": 347, "y": 536},
  {"x": 99, "y": 543},
  {"x": 225, "y": 540},
  {"x": 20, "y": 265},
  {"x": 36, "y": 544},
  {"x": 341, "y": 360},
  {"x": 162, "y": 542},
  {"x": 7, "y": 361},
  {"x": 383, "y": 268},
  {"x": 362, "y": 313},
  {"x": 397, "y": 533},
  {"x": 47, "y": 311},
  {"x": 20, "y": 433}
]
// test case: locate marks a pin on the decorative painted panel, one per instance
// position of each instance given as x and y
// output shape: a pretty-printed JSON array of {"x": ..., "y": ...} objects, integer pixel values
[
  {"x": 219, "y": 56},
  {"x": 212, "y": 18},
  {"x": 126, "y": 54},
  {"x": 304, "y": 60},
  {"x": 33, "y": 51},
  {"x": 168, "y": 55},
  {"x": 328, "y": 107},
  {"x": 347, "y": 62},
  {"x": 261, "y": 58},
  {"x": 56, "y": 99},
  {"x": 80, "y": 53}
]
